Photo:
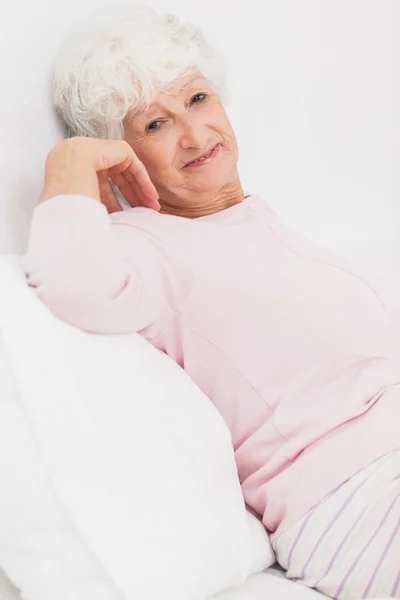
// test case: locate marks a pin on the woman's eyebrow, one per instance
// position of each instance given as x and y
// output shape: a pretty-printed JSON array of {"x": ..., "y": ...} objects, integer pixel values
[
  {"x": 146, "y": 113},
  {"x": 191, "y": 82},
  {"x": 183, "y": 89}
]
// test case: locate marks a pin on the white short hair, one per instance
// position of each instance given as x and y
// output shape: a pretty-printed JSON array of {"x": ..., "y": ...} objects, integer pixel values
[{"x": 120, "y": 61}]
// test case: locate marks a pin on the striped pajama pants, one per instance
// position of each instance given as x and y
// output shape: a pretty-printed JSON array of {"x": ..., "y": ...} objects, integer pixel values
[{"x": 348, "y": 545}]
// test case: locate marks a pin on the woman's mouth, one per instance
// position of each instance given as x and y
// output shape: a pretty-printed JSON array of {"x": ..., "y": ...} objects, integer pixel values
[{"x": 207, "y": 158}]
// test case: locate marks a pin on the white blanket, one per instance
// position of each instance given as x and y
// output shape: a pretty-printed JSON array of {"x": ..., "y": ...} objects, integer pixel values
[{"x": 118, "y": 473}]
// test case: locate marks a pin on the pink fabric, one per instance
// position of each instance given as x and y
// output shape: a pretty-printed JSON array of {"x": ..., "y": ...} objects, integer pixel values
[{"x": 290, "y": 344}]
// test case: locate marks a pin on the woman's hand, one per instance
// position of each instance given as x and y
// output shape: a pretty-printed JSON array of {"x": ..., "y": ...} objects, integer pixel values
[{"x": 82, "y": 165}]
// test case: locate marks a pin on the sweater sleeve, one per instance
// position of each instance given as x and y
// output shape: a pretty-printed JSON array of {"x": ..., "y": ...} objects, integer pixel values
[{"x": 96, "y": 275}]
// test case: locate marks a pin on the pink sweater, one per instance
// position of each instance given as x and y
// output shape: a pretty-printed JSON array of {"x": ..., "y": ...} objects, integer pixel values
[{"x": 290, "y": 344}]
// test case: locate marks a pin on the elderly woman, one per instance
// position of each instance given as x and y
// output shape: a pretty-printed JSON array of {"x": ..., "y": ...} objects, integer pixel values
[{"x": 290, "y": 344}]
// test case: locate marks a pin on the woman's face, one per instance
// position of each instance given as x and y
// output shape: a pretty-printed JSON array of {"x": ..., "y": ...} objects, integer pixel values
[{"x": 178, "y": 127}]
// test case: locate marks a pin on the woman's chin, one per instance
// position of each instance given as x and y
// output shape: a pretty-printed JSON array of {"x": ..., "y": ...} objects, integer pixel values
[
  {"x": 209, "y": 186},
  {"x": 213, "y": 181}
]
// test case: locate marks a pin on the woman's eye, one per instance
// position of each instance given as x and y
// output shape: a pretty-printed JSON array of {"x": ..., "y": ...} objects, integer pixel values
[
  {"x": 153, "y": 125},
  {"x": 200, "y": 94},
  {"x": 150, "y": 126}
]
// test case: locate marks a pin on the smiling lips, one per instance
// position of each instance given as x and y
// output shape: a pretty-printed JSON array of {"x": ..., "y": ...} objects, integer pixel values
[{"x": 203, "y": 159}]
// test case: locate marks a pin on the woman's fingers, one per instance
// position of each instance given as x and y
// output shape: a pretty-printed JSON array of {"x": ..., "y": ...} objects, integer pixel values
[
  {"x": 137, "y": 174},
  {"x": 137, "y": 193},
  {"x": 134, "y": 182},
  {"x": 115, "y": 159},
  {"x": 134, "y": 170},
  {"x": 129, "y": 191},
  {"x": 107, "y": 196},
  {"x": 122, "y": 165}
]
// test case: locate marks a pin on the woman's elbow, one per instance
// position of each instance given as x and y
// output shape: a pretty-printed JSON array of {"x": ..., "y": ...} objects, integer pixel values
[{"x": 99, "y": 311}]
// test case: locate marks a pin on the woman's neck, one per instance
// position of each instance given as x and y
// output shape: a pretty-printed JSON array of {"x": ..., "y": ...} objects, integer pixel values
[{"x": 204, "y": 206}]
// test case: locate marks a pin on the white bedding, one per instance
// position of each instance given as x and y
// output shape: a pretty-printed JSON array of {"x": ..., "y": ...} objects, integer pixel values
[
  {"x": 268, "y": 585},
  {"x": 271, "y": 584}
]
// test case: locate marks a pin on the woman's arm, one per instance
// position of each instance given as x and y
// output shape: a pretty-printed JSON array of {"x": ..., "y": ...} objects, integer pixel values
[{"x": 99, "y": 277}]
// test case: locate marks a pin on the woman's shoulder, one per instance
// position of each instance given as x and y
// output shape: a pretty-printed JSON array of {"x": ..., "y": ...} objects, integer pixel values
[
  {"x": 264, "y": 206},
  {"x": 260, "y": 200}
]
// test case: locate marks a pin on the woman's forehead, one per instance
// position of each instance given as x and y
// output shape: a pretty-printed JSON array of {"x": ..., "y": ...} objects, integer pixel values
[
  {"x": 182, "y": 84},
  {"x": 177, "y": 89}
]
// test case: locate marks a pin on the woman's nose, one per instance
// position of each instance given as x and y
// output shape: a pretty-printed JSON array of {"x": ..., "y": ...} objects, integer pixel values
[{"x": 193, "y": 136}]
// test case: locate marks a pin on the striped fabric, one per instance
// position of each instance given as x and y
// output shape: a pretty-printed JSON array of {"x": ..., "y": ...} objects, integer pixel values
[{"x": 348, "y": 546}]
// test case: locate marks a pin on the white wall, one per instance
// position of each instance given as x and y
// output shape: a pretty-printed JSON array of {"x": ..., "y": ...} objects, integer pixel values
[{"x": 315, "y": 105}]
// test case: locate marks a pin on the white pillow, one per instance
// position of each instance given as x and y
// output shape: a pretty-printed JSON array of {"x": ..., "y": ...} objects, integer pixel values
[
  {"x": 117, "y": 473},
  {"x": 263, "y": 554},
  {"x": 7, "y": 590},
  {"x": 41, "y": 551}
]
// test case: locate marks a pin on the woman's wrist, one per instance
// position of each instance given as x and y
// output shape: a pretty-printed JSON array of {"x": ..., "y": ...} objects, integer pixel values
[{"x": 69, "y": 172}]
